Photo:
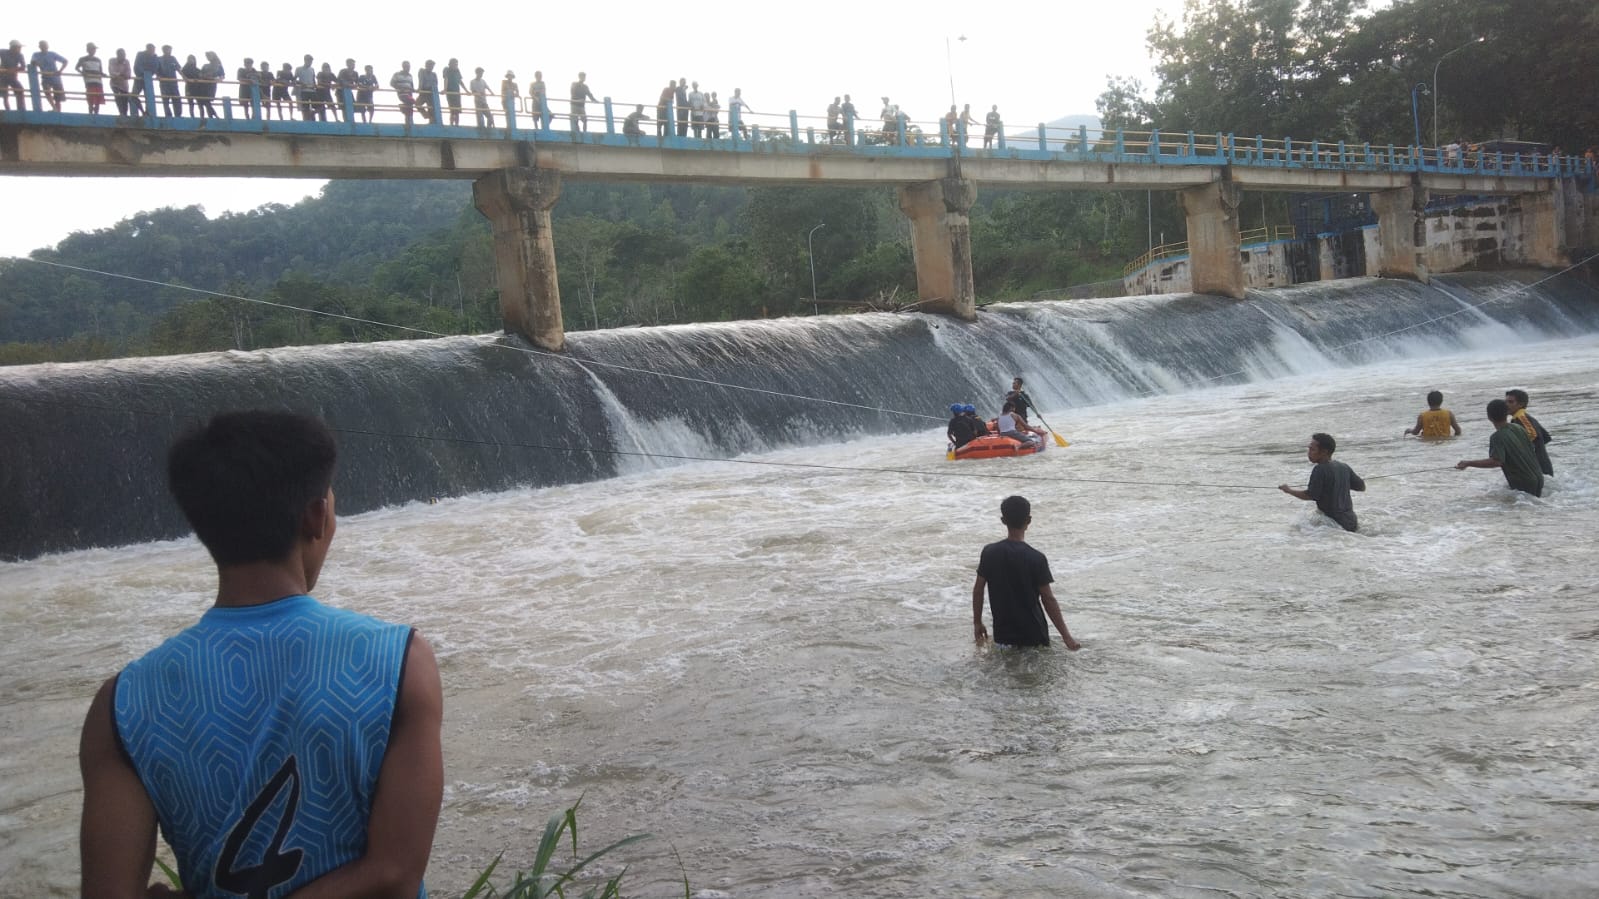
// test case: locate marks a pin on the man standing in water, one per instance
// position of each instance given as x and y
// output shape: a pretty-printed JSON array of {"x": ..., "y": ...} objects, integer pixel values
[
  {"x": 1516, "y": 402},
  {"x": 1436, "y": 422},
  {"x": 1510, "y": 451},
  {"x": 281, "y": 744},
  {"x": 1017, "y": 577},
  {"x": 1330, "y": 483}
]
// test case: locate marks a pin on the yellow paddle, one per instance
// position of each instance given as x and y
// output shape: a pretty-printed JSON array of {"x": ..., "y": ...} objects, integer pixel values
[{"x": 1059, "y": 440}]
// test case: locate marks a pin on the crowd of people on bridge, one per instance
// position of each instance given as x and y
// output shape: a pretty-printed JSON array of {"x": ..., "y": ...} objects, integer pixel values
[{"x": 314, "y": 91}]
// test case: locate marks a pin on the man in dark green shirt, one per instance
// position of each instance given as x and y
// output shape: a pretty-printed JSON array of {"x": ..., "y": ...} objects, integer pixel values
[{"x": 1510, "y": 451}]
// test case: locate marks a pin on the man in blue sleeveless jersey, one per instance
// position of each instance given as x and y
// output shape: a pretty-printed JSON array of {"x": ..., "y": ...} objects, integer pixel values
[{"x": 282, "y": 746}]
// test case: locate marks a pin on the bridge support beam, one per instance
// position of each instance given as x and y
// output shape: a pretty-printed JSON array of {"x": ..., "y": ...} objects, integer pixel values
[
  {"x": 941, "y": 244},
  {"x": 517, "y": 203},
  {"x": 1401, "y": 234},
  {"x": 1543, "y": 222},
  {"x": 1215, "y": 252}
]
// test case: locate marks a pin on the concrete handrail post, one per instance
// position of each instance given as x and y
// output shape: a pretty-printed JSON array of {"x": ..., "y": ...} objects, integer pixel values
[
  {"x": 849, "y": 129},
  {"x": 1000, "y": 138},
  {"x": 33, "y": 88},
  {"x": 227, "y": 108},
  {"x": 510, "y": 116},
  {"x": 1193, "y": 145},
  {"x": 347, "y": 103},
  {"x": 793, "y": 125},
  {"x": 1082, "y": 139},
  {"x": 733, "y": 122},
  {"x": 149, "y": 99},
  {"x": 610, "y": 117},
  {"x": 899, "y": 128},
  {"x": 1154, "y": 145},
  {"x": 255, "y": 101}
]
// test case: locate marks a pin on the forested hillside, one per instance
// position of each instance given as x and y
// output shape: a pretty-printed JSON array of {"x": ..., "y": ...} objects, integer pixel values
[{"x": 417, "y": 254}]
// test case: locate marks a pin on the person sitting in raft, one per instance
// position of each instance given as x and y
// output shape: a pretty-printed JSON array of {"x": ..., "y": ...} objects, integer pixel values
[
  {"x": 979, "y": 426},
  {"x": 1009, "y": 425},
  {"x": 962, "y": 428},
  {"x": 1436, "y": 422}
]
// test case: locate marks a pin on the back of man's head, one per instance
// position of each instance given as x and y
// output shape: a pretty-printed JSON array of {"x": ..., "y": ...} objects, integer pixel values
[
  {"x": 1016, "y": 512},
  {"x": 1435, "y": 398},
  {"x": 1498, "y": 411},
  {"x": 244, "y": 480},
  {"x": 1326, "y": 442}
]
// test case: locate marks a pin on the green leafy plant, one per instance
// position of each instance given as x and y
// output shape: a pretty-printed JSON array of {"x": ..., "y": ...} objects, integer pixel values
[{"x": 545, "y": 879}]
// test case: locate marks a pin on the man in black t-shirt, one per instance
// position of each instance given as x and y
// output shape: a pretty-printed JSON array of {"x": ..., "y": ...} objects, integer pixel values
[
  {"x": 1017, "y": 395},
  {"x": 1330, "y": 483},
  {"x": 1017, "y": 577}
]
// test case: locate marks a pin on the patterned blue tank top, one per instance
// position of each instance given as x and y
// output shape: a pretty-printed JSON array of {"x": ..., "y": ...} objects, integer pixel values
[{"x": 258, "y": 734}]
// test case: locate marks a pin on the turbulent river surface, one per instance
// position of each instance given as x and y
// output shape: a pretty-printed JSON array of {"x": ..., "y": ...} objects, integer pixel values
[{"x": 770, "y": 668}]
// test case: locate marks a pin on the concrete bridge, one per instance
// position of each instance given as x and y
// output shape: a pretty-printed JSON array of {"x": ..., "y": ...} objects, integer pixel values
[{"x": 517, "y": 171}]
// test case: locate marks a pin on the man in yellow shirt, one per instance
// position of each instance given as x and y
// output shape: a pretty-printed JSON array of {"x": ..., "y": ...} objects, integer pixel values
[{"x": 1436, "y": 422}]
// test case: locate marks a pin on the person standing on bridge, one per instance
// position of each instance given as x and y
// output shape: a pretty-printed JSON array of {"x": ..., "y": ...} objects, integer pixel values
[
  {"x": 509, "y": 94},
  {"x": 170, "y": 73},
  {"x": 121, "y": 71},
  {"x": 682, "y": 107},
  {"x": 452, "y": 89},
  {"x": 93, "y": 72},
  {"x": 580, "y": 95},
  {"x": 305, "y": 88},
  {"x": 211, "y": 75},
  {"x": 663, "y": 109},
  {"x": 968, "y": 122},
  {"x": 191, "y": 83},
  {"x": 326, "y": 82},
  {"x": 349, "y": 80},
  {"x": 835, "y": 121},
  {"x": 366, "y": 85},
  {"x": 538, "y": 97},
  {"x": 281, "y": 82},
  {"x": 427, "y": 92},
  {"x": 480, "y": 100},
  {"x": 49, "y": 64},
  {"x": 991, "y": 126},
  {"x": 696, "y": 110},
  {"x": 249, "y": 79},
  {"x": 740, "y": 111},
  {"x": 850, "y": 117},
  {"x": 405, "y": 89},
  {"x": 12, "y": 64}
]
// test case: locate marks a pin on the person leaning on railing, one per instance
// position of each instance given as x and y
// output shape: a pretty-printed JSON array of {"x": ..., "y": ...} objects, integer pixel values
[
  {"x": 11, "y": 65},
  {"x": 121, "y": 71},
  {"x": 49, "y": 64}
]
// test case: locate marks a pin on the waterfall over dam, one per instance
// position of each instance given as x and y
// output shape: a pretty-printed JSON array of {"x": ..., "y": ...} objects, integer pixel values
[{"x": 82, "y": 459}]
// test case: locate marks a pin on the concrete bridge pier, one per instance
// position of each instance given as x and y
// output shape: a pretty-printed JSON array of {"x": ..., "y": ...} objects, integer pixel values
[
  {"x": 517, "y": 203},
  {"x": 1543, "y": 221},
  {"x": 1401, "y": 234},
  {"x": 941, "y": 244},
  {"x": 1215, "y": 250}
]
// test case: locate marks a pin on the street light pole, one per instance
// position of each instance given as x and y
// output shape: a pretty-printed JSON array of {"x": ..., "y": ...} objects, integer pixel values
[
  {"x": 1435, "y": 90},
  {"x": 809, "y": 251},
  {"x": 949, "y": 66},
  {"x": 1415, "y": 117}
]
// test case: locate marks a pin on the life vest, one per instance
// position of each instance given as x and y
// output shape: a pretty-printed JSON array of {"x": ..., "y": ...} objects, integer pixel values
[{"x": 1435, "y": 423}]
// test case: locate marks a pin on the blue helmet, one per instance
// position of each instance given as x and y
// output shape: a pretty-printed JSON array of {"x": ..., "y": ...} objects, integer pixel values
[
  {"x": 968, "y": 408},
  {"x": 956, "y": 408}
]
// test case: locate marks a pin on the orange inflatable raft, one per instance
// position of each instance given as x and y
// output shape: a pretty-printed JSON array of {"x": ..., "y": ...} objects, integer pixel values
[{"x": 994, "y": 446}]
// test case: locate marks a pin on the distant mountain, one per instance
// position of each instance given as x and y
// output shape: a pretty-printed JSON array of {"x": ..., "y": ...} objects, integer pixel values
[{"x": 1056, "y": 132}]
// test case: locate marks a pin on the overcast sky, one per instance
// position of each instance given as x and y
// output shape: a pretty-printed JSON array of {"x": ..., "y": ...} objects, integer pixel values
[{"x": 1038, "y": 59}]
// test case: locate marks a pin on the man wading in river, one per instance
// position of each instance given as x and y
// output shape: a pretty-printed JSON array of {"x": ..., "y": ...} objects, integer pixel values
[
  {"x": 1330, "y": 483},
  {"x": 1017, "y": 577}
]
